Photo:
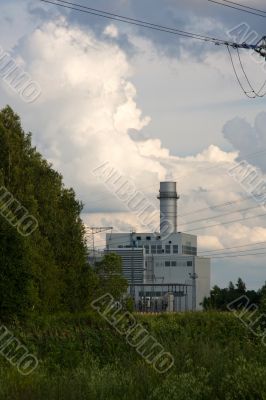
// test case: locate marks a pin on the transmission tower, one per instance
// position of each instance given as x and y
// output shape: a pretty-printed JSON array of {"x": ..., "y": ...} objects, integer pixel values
[{"x": 90, "y": 231}]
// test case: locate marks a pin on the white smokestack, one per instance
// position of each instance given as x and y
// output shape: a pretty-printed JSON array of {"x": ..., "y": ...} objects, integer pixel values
[{"x": 168, "y": 207}]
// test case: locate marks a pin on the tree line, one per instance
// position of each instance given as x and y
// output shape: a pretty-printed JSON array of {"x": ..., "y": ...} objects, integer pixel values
[
  {"x": 48, "y": 270},
  {"x": 221, "y": 298}
]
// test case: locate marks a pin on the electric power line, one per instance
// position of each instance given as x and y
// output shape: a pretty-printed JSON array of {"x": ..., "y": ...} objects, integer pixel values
[
  {"x": 145, "y": 24},
  {"x": 219, "y": 216},
  {"x": 250, "y": 95},
  {"x": 246, "y": 156},
  {"x": 225, "y": 253},
  {"x": 244, "y": 9},
  {"x": 137, "y": 22},
  {"x": 244, "y": 6},
  {"x": 257, "y": 93},
  {"x": 239, "y": 255},
  {"x": 132, "y": 21},
  {"x": 227, "y": 203},
  {"x": 220, "y": 255},
  {"x": 227, "y": 222},
  {"x": 234, "y": 247}
]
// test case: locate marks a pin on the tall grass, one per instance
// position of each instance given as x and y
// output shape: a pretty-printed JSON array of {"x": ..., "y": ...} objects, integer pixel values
[{"x": 82, "y": 357}]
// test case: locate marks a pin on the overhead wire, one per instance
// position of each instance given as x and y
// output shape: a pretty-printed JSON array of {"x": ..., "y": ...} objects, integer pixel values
[
  {"x": 258, "y": 94},
  {"x": 233, "y": 247},
  {"x": 145, "y": 24},
  {"x": 219, "y": 205},
  {"x": 223, "y": 253},
  {"x": 244, "y": 6},
  {"x": 239, "y": 255},
  {"x": 248, "y": 94},
  {"x": 226, "y": 223},
  {"x": 149, "y": 25},
  {"x": 232, "y": 253},
  {"x": 206, "y": 253},
  {"x": 219, "y": 216},
  {"x": 238, "y": 8},
  {"x": 246, "y": 156},
  {"x": 252, "y": 94},
  {"x": 134, "y": 21}
]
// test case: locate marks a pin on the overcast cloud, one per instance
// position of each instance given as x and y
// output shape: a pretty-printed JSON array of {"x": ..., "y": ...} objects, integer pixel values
[{"x": 155, "y": 106}]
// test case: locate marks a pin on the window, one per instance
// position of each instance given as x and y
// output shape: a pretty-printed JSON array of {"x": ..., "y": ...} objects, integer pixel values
[
  {"x": 168, "y": 248},
  {"x": 153, "y": 249},
  {"x": 189, "y": 250},
  {"x": 158, "y": 237},
  {"x": 189, "y": 263},
  {"x": 173, "y": 263},
  {"x": 147, "y": 249},
  {"x": 148, "y": 238},
  {"x": 167, "y": 263},
  {"x": 175, "y": 248},
  {"x": 159, "y": 249},
  {"x": 170, "y": 241},
  {"x": 138, "y": 237}
]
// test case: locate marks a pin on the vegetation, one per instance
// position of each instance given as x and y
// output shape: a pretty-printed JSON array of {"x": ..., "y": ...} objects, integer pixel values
[
  {"x": 220, "y": 298},
  {"x": 47, "y": 271},
  {"x": 46, "y": 287},
  {"x": 82, "y": 357}
]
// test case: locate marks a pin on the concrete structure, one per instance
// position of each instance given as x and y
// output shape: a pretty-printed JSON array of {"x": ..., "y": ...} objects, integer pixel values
[
  {"x": 168, "y": 208},
  {"x": 163, "y": 268}
]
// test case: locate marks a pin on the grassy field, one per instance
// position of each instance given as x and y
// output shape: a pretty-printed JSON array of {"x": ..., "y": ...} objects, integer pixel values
[{"x": 82, "y": 357}]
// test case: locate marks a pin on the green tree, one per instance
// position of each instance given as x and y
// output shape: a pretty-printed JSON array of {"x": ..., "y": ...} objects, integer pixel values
[
  {"x": 241, "y": 286},
  {"x": 220, "y": 298},
  {"x": 48, "y": 270},
  {"x": 110, "y": 278}
]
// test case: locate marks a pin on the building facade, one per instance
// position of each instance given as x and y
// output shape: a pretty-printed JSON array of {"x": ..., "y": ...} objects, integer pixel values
[{"x": 163, "y": 269}]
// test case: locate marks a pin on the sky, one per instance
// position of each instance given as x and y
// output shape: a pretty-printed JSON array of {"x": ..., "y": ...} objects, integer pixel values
[{"x": 151, "y": 105}]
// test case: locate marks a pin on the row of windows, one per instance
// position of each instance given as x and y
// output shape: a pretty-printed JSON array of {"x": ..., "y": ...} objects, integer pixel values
[
  {"x": 178, "y": 264},
  {"x": 138, "y": 238},
  {"x": 154, "y": 294},
  {"x": 159, "y": 249},
  {"x": 167, "y": 249},
  {"x": 189, "y": 250}
]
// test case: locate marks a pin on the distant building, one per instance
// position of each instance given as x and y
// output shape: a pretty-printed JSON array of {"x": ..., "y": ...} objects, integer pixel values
[{"x": 163, "y": 269}]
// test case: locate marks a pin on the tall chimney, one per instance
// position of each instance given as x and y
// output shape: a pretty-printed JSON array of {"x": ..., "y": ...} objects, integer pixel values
[{"x": 168, "y": 207}]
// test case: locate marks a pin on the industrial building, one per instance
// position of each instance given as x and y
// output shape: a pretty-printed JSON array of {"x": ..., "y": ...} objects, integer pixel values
[{"x": 162, "y": 268}]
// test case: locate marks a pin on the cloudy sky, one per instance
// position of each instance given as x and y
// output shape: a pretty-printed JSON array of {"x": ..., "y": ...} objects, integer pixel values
[{"x": 154, "y": 106}]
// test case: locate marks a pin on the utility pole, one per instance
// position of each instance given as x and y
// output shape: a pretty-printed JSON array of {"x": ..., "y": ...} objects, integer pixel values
[
  {"x": 90, "y": 231},
  {"x": 194, "y": 276},
  {"x": 132, "y": 287}
]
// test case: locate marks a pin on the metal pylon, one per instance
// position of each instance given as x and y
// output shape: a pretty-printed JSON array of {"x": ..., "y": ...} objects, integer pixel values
[{"x": 90, "y": 231}]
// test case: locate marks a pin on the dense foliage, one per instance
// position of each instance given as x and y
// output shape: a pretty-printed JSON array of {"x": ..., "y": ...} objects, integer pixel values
[
  {"x": 82, "y": 357},
  {"x": 46, "y": 271},
  {"x": 221, "y": 298}
]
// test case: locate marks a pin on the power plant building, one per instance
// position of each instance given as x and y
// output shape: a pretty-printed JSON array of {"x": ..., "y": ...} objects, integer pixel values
[{"x": 163, "y": 269}]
